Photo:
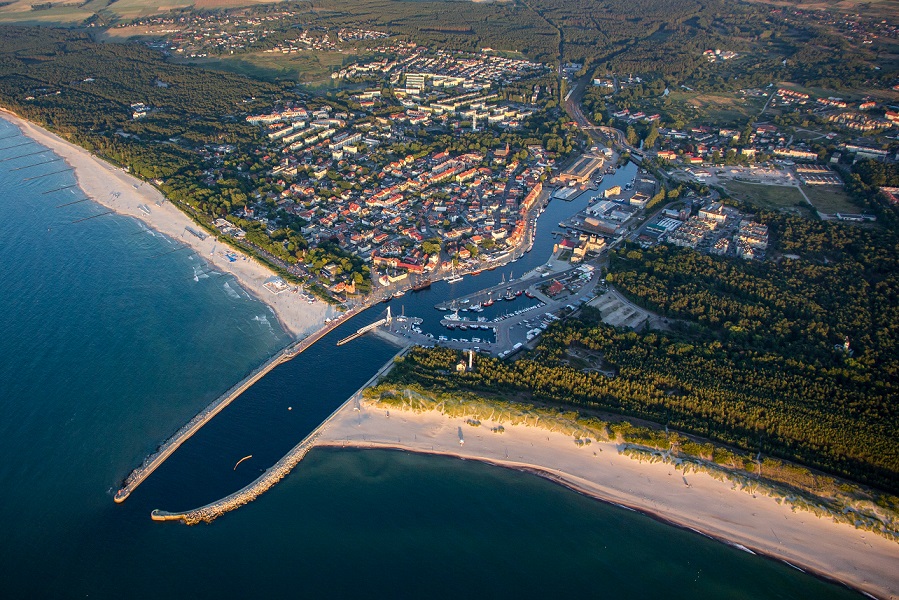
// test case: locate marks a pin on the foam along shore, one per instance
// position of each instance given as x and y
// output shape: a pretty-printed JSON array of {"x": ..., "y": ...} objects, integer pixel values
[
  {"x": 127, "y": 195},
  {"x": 757, "y": 523}
]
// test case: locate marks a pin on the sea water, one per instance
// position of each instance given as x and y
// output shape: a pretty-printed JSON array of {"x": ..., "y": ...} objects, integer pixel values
[{"x": 109, "y": 342}]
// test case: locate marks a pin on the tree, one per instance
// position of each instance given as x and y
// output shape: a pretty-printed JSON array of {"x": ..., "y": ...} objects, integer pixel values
[
  {"x": 631, "y": 136},
  {"x": 651, "y": 137},
  {"x": 431, "y": 246}
]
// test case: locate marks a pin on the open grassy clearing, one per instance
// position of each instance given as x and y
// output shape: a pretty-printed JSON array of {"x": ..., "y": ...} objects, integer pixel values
[
  {"x": 865, "y": 7},
  {"x": 67, "y": 11},
  {"x": 713, "y": 107},
  {"x": 830, "y": 199},
  {"x": 302, "y": 67},
  {"x": 772, "y": 197}
]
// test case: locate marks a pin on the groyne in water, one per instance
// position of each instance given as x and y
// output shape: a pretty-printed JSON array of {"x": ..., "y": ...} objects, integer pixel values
[
  {"x": 155, "y": 460},
  {"x": 273, "y": 474}
]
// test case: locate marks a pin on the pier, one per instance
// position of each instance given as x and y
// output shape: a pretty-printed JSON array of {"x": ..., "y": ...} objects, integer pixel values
[
  {"x": 155, "y": 460},
  {"x": 495, "y": 293},
  {"x": 273, "y": 474},
  {"x": 363, "y": 330}
]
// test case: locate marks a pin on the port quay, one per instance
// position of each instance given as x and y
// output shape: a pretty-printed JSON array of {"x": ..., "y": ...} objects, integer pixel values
[
  {"x": 273, "y": 474},
  {"x": 167, "y": 448}
]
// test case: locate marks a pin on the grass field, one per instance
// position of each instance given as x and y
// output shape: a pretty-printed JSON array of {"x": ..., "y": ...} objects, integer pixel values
[
  {"x": 68, "y": 11},
  {"x": 717, "y": 108},
  {"x": 772, "y": 197},
  {"x": 313, "y": 67},
  {"x": 830, "y": 199},
  {"x": 876, "y": 8}
]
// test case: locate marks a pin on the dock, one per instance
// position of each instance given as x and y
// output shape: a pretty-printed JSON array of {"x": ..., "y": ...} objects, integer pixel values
[
  {"x": 495, "y": 293},
  {"x": 363, "y": 330}
]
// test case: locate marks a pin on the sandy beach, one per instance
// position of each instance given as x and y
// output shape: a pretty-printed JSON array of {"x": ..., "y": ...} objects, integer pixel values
[
  {"x": 120, "y": 192},
  {"x": 861, "y": 559}
]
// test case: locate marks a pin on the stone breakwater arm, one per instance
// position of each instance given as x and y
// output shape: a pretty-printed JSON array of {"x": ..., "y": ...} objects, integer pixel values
[
  {"x": 273, "y": 474},
  {"x": 155, "y": 460}
]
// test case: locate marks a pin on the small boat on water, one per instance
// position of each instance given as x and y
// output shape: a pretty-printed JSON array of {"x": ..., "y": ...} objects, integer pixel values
[
  {"x": 399, "y": 294},
  {"x": 488, "y": 302},
  {"x": 476, "y": 273},
  {"x": 528, "y": 294},
  {"x": 422, "y": 285},
  {"x": 509, "y": 295},
  {"x": 453, "y": 279},
  {"x": 518, "y": 293}
]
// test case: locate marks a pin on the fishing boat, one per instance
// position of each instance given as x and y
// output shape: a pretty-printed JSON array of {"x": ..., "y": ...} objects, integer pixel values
[
  {"x": 488, "y": 302},
  {"x": 453, "y": 316},
  {"x": 509, "y": 295},
  {"x": 399, "y": 294},
  {"x": 528, "y": 294}
]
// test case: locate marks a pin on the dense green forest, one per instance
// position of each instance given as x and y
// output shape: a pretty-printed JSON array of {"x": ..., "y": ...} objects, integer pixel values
[
  {"x": 83, "y": 90},
  {"x": 755, "y": 359},
  {"x": 662, "y": 38}
]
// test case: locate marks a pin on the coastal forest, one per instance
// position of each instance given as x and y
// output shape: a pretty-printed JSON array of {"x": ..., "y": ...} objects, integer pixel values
[
  {"x": 83, "y": 91},
  {"x": 756, "y": 356}
]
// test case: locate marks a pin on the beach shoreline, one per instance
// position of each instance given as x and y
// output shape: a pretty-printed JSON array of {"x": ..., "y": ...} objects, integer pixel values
[
  {"x": 124, "y": 194},
  {"x": 759, "y": 524}
]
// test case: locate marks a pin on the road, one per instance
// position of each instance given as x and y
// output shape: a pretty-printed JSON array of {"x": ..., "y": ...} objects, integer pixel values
[{"x": 572, "y": 106}]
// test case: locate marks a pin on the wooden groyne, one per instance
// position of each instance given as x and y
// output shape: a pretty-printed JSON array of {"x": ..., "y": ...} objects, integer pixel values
[
  {"x": 273, "y": 474},
  {"x": 155, "y": 460}
]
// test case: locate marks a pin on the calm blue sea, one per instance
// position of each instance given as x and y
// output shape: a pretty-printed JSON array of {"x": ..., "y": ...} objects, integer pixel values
[{"x": 109, "y": 343}]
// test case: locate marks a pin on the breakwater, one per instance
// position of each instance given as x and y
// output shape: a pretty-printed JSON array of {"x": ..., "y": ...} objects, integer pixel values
[
  {"x": 155, "y": 460},
  {"x": 273, "y": 474}
]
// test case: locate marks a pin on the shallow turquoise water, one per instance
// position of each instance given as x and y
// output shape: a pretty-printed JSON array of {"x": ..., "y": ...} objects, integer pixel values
[{"x": 106, "y": 348}]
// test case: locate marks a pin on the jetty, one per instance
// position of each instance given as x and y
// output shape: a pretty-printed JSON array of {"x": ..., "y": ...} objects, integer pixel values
[
  {"x": 155, "y": 460},
  {"x": 24, "y": 155},
  {"x": 48, "y": 174},
  {"x": 273, "y": 474}
]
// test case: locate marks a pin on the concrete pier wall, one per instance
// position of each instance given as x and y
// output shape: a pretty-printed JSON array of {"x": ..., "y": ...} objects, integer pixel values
[
  {"x": 273, "y": 474},
  {"x": 153, "y": 462}
]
